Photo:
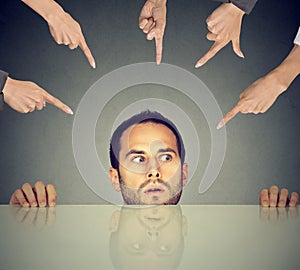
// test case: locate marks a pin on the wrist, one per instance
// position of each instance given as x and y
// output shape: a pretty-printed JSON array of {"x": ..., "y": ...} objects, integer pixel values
[
  {"x": 161, "y": 2},
  {"x": 235, "y": 10},
  {"x": 52, "y": 11},
  {"x": 47, "y": 9},
  {"x": 277, "y": 77},
  {"x": 3, "y": 80},
  {"x": 289, "y": 69}
]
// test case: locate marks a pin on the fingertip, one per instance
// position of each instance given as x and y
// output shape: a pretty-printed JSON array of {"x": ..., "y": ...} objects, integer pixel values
[
  {"x": 143, "y": 23},
  {"x": 240, "y": 54},
  {"x": 265, "y": 203},
  {"x": 221, "y": 124},
  {"x": 68, "y": 111},
  {"x": 200, "y": 63},
  {"x": 158, "y": 60},
  {"x": 52, "y": 204}
]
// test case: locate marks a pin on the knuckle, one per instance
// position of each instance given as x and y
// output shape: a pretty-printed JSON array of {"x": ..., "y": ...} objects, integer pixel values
[
  {"x": 25, "y": 111},
  {"x": 18, "y": 192},
  {"x": 264, "y": 191},
  {"x": 38, "y": 184},
  {"x": 26, "y": 186},
  {"x": 50, "y": 186},
  {"x": 274, "y": 188}
]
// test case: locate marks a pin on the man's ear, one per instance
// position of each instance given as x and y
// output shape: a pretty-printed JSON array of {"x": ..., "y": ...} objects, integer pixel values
[
  {"x": 114, "y": 178},
  {"x": 184, "y": 174}
]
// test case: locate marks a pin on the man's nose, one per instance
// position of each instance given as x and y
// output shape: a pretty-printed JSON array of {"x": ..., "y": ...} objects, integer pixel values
[{"x": 153, "y": 174}]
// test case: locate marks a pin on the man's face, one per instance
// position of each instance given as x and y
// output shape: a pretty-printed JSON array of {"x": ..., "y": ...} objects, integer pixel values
[
  {"x": 150, "y": 169},
  {"x": 148, "y": 238}
]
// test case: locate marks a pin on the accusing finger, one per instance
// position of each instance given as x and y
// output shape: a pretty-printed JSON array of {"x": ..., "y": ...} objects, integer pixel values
[
  {"x": 232, "y": 113},
  {"x": 87, "y": 52},
  {"x": 217, "y": 46},
  {"x": 159, "y": 48},
  {"x": 57, "y": 103}
]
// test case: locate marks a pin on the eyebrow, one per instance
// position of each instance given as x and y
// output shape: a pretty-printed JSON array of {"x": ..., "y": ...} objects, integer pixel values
[
  {"x": 136, "y": 152},
  {"x": 139, "y": 152}
]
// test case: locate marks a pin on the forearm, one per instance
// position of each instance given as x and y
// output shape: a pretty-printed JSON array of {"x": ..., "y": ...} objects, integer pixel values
[
  {"x": 245, "y": 5},
  {"x": 3, "y": 78},
  {"x": 289, "y": 69},
  {"x": 45, "y": 8}
]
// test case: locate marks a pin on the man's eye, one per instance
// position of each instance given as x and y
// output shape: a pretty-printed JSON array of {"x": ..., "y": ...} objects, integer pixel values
[
  {"x": 165, "y": 157},
  {"x": 138, "y": 159}
]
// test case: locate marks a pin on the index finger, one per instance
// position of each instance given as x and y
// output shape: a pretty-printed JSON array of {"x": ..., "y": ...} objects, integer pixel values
[
  {"x": 216, "y": 47},
  {"x": 84, "y": 47},
  {"x": 57, "y": 103},
  {"x": 159, "y": 48},
  {"x": 228, "y": 116}
]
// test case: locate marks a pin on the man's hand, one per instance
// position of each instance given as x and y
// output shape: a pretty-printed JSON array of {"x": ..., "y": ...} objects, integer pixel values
[
  {"x": 152, "y": 21},
  {"x": 38, "y": 218},
  {"x": 270, "y": 198},
  {"x": 24, "y": 97},
  {"x": 63, "y": 28},
  {"x": 39, "y": 195},
  {"x": 257, "y": 98},
  {"x": 224, "y": 25},
  {"x": 261, "y": 95}
]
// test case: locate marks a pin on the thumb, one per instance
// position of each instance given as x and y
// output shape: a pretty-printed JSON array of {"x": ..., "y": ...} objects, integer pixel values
[{"x": 236, "y": 47}]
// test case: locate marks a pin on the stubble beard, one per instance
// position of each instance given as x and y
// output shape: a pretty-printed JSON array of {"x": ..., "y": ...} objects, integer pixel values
[{"x": 132, "y": 196}]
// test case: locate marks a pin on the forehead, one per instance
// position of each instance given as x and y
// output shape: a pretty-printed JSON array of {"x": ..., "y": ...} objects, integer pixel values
[{"x": 145, "y": 134}]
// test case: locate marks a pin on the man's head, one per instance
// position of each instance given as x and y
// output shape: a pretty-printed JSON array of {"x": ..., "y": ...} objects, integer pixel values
[
  {"x": 147, "y": 238},
  {"x": 147, "y": 158}
]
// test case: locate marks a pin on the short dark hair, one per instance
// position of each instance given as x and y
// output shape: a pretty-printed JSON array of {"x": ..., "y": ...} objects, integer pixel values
[{"x": 143, "y": 117}]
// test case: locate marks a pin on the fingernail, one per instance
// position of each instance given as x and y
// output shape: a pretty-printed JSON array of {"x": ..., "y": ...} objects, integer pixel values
[
  {"x": 69, "y": 111},
  {"x": 272, "y": 203},
  {"x": 292, "y": 203},
  {"x": 94, "y": 65},
  {"x": 151, "y": 34},
  {"x": 265, "y": 203},
  {"x": 34, "y": 204},
  {"x": 42, "y": 204},
  {"x": 221, "y": 124},
  {"x": 52, "y": 204},
  {"x": 242, "y": 55},
  {"x": 199, "y": 64},
  {"x": 25, "y": 204}
]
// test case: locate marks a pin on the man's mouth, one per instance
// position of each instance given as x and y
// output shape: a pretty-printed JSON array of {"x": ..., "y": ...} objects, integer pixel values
[{"x": 154, "y": 190}]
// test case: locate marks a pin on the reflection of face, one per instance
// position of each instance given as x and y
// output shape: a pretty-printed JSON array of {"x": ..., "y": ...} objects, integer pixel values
[
  {"x": 149, "y": 165},
  {"x": 148, "y": 238}
]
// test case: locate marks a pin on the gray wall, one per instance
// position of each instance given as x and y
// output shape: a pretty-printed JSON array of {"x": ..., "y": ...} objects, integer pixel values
[{"x": 261, "y": 150}]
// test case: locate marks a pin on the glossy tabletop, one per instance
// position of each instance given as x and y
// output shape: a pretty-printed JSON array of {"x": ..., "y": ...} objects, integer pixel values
[{"x": 164, "y": 237}]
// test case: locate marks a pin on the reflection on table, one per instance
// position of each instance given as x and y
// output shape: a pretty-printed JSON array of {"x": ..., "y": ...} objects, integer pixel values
[{"x": 160, "y": 237}]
